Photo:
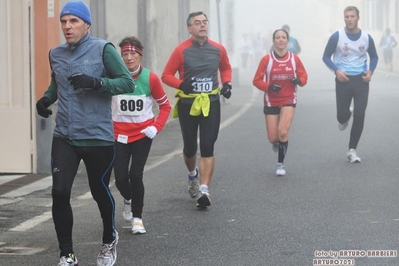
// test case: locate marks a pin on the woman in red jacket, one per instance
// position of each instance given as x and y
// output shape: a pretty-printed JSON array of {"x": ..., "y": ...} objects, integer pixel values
[{"x": 279, "y": 74}]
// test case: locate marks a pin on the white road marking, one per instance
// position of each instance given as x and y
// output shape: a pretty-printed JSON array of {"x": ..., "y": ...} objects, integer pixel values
[
  {"x": 7, "y": 178},
  {"x": 32, "y": 222},
  {"x": 25, "y": 190}
]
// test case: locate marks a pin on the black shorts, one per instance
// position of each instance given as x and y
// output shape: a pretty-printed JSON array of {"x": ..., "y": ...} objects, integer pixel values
[
  {"x": 208, "y": 129},
  {"x": 267, "y": 110}
]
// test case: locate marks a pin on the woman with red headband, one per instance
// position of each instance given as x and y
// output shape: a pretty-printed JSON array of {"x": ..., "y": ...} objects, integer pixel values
[{"x": 134, "y": 127}]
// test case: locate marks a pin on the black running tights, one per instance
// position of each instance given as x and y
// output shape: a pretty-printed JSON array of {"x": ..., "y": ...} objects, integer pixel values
[
  {"x": 129, "y": 181},
  {"x": 358, "y": 90},
  {"x": 65, "y": 162}
]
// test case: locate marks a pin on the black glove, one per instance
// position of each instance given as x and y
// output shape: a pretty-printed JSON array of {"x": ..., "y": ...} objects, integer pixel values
[
  {"x": 42, "y": 105},
  {"x": 226, "y": 90},
  {"x": 79, "y": 81},
  {"x": 274, "y": 87},
  {"x": 296, "y": 81},
  {"x": 187, "y": 86}
]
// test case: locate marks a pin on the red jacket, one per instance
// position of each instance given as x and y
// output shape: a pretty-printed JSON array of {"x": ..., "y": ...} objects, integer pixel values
[
  {"x": 191, "y": 59},
  {"x": 280, "y": 71}
]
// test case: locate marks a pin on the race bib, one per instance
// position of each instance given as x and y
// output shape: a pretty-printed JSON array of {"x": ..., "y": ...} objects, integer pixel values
[
  {"x": 203, "y": 85},
  {"x": 122, "y": 138},
  {"x": 131, "y": 105}
]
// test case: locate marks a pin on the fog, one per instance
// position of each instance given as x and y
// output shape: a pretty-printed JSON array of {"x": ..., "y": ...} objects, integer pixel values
[{"x": 311, "y": 22}]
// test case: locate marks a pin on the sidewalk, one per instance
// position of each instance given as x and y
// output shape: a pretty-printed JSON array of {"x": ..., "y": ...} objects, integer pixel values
[{"x": 14, "y": 187}]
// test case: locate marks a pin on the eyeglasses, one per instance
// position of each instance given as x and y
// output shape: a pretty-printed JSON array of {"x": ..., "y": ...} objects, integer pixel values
[{"x": 199, "y": 22}]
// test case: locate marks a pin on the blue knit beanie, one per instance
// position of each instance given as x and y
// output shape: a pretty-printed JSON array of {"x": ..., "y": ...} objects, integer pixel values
[{"x": 79, "y": 9}]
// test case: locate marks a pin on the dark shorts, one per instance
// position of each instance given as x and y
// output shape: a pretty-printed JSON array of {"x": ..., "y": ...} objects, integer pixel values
[
  {"x": 267, "y": 110},
  {"x": 208, "y": 129}
]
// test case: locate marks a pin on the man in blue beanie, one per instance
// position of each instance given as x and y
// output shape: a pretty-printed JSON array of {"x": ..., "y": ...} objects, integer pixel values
[
  {"x": 79, "y": 9},
  {"x": 86, "y": 73}
]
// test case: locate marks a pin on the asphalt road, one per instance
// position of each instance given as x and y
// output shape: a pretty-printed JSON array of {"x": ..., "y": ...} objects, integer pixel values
[{"x": 323, "y": 204}]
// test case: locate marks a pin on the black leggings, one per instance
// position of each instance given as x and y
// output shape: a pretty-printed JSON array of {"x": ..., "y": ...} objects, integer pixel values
[
  {"x": 65, "y": 162},
  {"x": 208, "y": 126},
  {"x": 130, "y": 182},
  {"x": 357, "y": 89}
]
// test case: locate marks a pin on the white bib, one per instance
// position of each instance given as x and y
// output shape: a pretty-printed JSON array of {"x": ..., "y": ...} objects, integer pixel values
[
  {"x": 203, "y": 85},
  {"x": 131, "y": 105}
]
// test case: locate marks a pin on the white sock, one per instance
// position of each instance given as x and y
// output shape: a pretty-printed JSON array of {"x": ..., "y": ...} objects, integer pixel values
[
  {"x": 193, "y": 173},
  {"x": 204, "y": 188}
]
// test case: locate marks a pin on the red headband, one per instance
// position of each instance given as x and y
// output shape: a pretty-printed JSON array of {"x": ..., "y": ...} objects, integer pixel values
[{"x": 129, "y": 47}]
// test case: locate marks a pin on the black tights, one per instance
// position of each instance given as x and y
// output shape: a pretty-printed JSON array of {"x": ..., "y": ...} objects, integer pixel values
[
  {"x": 65, "y": 162},
  {"x": 130, "y": 181},
  {"x": 358, "y": 90}
]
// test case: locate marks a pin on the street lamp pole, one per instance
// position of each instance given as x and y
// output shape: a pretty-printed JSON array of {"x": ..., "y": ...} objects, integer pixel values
[{"x": 219, "y": 29}]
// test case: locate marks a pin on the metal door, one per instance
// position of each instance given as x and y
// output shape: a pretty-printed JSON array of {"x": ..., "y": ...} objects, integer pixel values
[{"x": 15, "y": 88}]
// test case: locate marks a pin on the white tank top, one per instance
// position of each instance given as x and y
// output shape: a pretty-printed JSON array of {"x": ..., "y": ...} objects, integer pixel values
[{"x": 351, "y": 56}]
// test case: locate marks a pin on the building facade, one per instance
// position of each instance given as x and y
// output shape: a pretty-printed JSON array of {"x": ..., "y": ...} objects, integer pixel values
[{"x": 31, "y": 28}]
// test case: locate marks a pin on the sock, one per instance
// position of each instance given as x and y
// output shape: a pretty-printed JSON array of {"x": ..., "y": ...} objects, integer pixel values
[
  {"x": 127, "y": 201},
  {"x": 204, "y": 188},
  {"x": 193, "y": 174},
  {"x": 282, "y": 150}
]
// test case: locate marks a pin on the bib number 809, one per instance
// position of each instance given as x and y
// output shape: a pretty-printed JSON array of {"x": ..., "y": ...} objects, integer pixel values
[{"x": 131, "y": 105}]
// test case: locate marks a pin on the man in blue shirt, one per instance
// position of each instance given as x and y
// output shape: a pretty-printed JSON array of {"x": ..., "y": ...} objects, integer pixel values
[{"x": 349, "y": 47}]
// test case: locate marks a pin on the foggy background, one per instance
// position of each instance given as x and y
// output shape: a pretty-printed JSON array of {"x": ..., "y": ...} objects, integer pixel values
[
  {"x": 312, "y": 22},
  {"x": 161, "y": 25}
]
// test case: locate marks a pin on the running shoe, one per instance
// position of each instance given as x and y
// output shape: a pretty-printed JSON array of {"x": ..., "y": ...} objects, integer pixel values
[
  {"x": 275, "y": 147},
  {"x": 203, "y": 201},
  {"x": 343, "y": 126},
  {"x": 107, "y": 254},
  {"x": 138, "y": 227},
  {"x": 280, "y": 170},
  {"x": 352, "y": 156},
  {"x": 127, "y": 210},
  {"x": 68, "y": 260},
  {"x": 193, "y": 185}
]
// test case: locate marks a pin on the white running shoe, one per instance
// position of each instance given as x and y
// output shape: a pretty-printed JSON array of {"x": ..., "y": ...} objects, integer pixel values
[
  {"x": 193, "y": 185},
  {"x": 138, "y": 227},
  {"x": 280, "y": 170},
  {"x": 69, "y": 260},
  {"x": 352, "y": 156},
  {"x": 127, "y": 211},
  {"x": 107, "y": 254},
  {"x": 343, "y": 126}
]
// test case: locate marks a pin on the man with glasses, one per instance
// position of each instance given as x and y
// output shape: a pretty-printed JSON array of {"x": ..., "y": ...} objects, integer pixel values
[{"x": 198, "y": 61}]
